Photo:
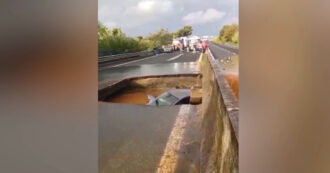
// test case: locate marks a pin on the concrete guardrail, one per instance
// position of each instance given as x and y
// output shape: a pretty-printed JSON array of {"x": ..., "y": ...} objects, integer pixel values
[
  {"x": 111, "y": 59},
  {"x": 219, "y": 148}
]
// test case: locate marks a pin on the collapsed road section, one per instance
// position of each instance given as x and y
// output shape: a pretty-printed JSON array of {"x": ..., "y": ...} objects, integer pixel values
[
  {"x": 155, "y": 90},
  {"x": 192, "y": 137}
]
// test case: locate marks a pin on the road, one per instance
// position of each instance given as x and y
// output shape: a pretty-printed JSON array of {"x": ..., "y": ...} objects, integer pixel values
[
  {"x": 166, "y": 63},
  {"x": 162, "y": 64},
  {"x": 220, "y": 51},
  {"x": 137, "y": 138},
  {"x": 142, "y": 139},
  {"x": 174, "y": 57}
]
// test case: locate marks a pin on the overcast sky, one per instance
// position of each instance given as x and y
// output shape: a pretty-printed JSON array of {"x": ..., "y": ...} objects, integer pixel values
[{"x": 141, "y": 17}]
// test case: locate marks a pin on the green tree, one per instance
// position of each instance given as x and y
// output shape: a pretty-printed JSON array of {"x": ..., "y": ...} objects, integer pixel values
[
  {"x": 117, "y": 32},
  {"x": 114, "y": 41},
  {"x": 160, "y": 38},
  {"x": 184, "y": 32},
  {"x": 235, "y": 38},
  {"x": 227, "y": 33},
  {"x": 102, "y": 31}
]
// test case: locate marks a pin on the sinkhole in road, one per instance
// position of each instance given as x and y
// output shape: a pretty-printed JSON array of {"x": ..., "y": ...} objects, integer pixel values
[{"x": 157, "y": 90}]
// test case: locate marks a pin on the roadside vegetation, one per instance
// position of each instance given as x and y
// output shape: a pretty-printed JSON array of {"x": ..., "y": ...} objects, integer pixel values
[
  {"x": 114, "y": 41},
  {"x": 229, "y": 34}
]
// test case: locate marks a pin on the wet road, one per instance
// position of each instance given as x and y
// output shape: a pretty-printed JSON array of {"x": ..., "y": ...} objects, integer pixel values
[
  {"x": 143, "y": 139},
  {"x": 174, "y": 57},
  {"x": 136, "y": 138},
  {"x": 220, "y": 52},
  {"x": 163, "y": 64},
  {"x": 116, "y": 73}
]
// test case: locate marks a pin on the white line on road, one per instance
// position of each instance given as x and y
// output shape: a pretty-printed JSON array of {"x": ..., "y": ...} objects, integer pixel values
[
  {"x": 174, "y": 58},
  {"x": 200, "y": 57},
  {"x": 170, "y": 157},
  {"x": 135, "y": 61}
]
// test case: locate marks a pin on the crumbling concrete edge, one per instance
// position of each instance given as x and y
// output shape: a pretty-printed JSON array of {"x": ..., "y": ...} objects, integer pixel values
[
  {"x": 229, "y": 99},
  {"x": 108, "y": 87},
  {"x": 108, "y": 83}
]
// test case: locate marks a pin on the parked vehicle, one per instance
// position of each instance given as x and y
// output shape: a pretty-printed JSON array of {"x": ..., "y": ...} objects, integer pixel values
[
  {"x": 157, "y": 51},
  {"x": 171, "y": 97},
  {"x": 195, "y": 44},
  {"x": 167, "y": 48},
  {"x": 176, "y": 44}
]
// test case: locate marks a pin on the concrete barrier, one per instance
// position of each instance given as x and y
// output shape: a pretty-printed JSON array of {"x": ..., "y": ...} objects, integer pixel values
[
  {"x": 219, "y": 148},
  {"x": 111, "y": 59}
]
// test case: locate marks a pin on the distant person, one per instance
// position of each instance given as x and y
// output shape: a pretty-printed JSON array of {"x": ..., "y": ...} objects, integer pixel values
[
  {"x": 182, "y": 43},
  {"x": 205, "y": 46}
]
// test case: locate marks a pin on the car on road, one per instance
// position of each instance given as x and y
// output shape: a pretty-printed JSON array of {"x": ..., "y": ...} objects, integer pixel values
[
  {"x": 167, "y": 48},
  {"x": 177, "y": 45},
  {"x": 195, "y": 44},
  {"x": 171, "y": 97},
  {"x": 157, "y": 51}
]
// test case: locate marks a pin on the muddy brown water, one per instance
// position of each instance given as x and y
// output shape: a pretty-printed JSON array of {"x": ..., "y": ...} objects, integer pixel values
[
  {"x": 138, "y": 96},
  {"x": 233, "y": 82},
  {"x": 137, "y": 90},
  {"x": 230, "y": 69}
]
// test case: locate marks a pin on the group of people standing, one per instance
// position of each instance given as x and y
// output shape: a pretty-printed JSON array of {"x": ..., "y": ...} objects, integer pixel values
[{"x": 186, "y": 44}]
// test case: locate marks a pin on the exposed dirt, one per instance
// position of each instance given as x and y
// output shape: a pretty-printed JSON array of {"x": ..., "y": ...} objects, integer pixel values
[
  {"x": 138, "y": 96},
  {"x": 137, "y": 90},
  {"x": 233, "y": 82},
  {"x": 230, "y": 70}
]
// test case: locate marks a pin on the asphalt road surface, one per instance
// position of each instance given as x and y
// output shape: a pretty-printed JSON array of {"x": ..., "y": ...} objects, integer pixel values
[
  {"x": 135, "y": 138},
  {"x": 173, "y": 57},
  {"x": 147, "y": 139},
  {"x": 219, "y": 51},
  {"x": 166, "y": 63}
]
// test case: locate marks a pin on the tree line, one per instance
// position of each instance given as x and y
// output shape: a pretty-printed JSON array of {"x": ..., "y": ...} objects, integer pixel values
[
  {"x": 114, "y": 41},
  {"x": 228, "y": 34}
]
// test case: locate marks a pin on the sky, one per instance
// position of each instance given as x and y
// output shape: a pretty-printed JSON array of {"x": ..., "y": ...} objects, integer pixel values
[{"x": 142, "y": 17}]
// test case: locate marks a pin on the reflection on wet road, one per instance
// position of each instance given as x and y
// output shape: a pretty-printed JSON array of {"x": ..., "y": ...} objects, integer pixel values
[
  {"x": 174, "y": 57},
  {"x": 117, "y": 73},
  {"x": 168, "y": 63}
]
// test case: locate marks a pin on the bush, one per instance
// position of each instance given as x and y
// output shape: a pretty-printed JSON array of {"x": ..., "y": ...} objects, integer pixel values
[
  {"x": 114, "y": 41},
  {"x": 160, "y": 38},
  {"x": 235, "y": 38},
  {"x": 229, "y": 34}
]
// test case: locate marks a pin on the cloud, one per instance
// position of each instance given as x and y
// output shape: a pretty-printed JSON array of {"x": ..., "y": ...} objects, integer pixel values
[
  {"x": 147, "y": 11},
  {"x": 140, "y": 17},
  {"x": 151, "y": 7},
  {"x": 202, "y": 17},
  {"x": 110, "y": 24},
  {"x": 231, "y": 20}
]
